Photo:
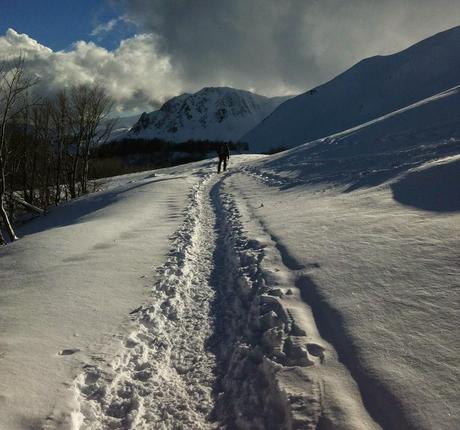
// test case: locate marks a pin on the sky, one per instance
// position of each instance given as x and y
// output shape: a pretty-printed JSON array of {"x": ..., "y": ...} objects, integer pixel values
[
  {"x": 146, "y": 51},
  {"x": 59, "y": 24}
]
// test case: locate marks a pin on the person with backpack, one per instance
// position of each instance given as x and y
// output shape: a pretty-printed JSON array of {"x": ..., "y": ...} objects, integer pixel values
[{"x": 223, "y": 153}]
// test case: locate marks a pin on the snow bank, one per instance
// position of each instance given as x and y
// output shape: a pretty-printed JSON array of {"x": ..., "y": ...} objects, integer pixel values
[
  {"x": 67, "y": 287},
  {"x": 371, "y": 215},
  {"x": 434, "y": 186}
]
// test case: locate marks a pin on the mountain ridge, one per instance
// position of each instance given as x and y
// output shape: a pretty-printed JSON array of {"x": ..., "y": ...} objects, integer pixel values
[
  {"x": 212, "y": 113},
  {"x": 373, "y": 87}
]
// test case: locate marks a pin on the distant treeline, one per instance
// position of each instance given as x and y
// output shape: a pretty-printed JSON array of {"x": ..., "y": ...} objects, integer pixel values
[{"x": 131, "y": 155}]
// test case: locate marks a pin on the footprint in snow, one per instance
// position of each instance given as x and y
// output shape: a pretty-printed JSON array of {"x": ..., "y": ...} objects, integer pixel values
[{"x": 316, "y": 350}]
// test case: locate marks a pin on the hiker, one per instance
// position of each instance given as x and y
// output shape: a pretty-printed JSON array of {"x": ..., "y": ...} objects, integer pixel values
[{"x": 224, "y": 154}]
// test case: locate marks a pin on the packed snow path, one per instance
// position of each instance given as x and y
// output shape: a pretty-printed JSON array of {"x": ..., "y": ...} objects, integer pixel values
[
  {"x": 164, "y": 377},
  {"x": 225, "y": 339}
]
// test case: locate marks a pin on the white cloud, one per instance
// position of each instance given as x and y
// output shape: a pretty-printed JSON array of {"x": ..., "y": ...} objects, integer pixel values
[
  {"x": 13, "y": 41},
  {"x": 105, "y": 27},
  {"x": 134, "y": 74}
]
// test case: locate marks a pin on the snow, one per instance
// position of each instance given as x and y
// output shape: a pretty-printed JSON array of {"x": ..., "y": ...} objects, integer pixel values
[
  {"x": 372, "y": 88},
  {"x": 70, "y": 283},
  {"x": 123, "y": 125},
  {"x": 276, "y": 295},
  {"x": 218, "y": 113},
  {"x": 160, "y": 359},
  {"x": 371, "y": 214},
  {"x": 383, "y": 280},
  {"x": 431, "y": 187}
]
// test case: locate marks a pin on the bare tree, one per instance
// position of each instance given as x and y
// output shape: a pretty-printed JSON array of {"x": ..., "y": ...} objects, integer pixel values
[
  {"x": 45, "y": 148},
  {"x": 42, "y": 157},
  {"x": 98, "y": 127},
  {"x": 60, "y": 118},
  {"x": 89, "y": 109},
  {"x": 14, "y": 84}
]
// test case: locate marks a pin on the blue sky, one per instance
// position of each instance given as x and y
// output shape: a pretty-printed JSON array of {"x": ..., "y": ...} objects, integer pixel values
[{"x": 59, "y": 23}]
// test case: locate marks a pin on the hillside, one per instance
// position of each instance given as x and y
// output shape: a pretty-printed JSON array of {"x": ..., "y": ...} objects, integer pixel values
[
  {"x": 214, "y": 113},
  {"x": 370, "y": 89},
  {"x": 322, "y": 280},
  {"x": 370, "y": 214}
]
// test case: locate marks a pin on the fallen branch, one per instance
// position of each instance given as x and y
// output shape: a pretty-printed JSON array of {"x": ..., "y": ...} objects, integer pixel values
[{"x": 23, "y": 203}]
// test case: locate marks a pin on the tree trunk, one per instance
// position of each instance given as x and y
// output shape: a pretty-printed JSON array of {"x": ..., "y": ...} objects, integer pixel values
[
  {"x": 59, "y": 168},
  {"x": 6, "y": 220},
  {"x": 33, "y": 174},
  {"x": 3, "y": 213},
  {"x": 27, "y": 205},
  {"x": 74, "y": 173},
  {"x": 85, "y": 173}
]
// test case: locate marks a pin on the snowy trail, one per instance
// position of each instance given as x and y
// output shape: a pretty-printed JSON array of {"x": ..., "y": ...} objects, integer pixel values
[
  {"x": 164, "y": 377},
  {"x": 225, "y": 341}
]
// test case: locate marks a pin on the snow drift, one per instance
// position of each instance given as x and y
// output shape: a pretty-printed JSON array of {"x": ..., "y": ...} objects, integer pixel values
[{"x": 433, "y": 187}]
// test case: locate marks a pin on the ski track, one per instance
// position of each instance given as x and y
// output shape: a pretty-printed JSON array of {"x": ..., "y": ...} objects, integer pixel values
[{"x": 225, "y": 341}]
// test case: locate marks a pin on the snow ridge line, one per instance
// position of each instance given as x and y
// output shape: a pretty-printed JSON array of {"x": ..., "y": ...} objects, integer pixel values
[
  {"x": 164, "y": 376},
  {"x": 268, "y": 178}
]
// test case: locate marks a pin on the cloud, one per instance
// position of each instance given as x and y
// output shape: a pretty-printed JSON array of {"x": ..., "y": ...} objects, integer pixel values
[
  {"x": 271, "y": 47},
  {"x": 284, "y": 46},
  {"x": 135, "y": 74},
  {"x": 105, "y": 27}
]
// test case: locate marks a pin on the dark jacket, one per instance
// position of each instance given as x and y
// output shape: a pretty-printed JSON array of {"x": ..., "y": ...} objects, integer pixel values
[{"x": 223, "y": 151}]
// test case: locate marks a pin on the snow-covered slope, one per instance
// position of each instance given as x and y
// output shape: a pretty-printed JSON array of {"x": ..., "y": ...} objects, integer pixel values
[
  {"x": 220, "y": 113},
  {"x": 317, "y": 288},
  {"x": 371, "y": 215},
  {"x": 372, "y": 88},
  {"x": 123, "y": 125},
  {"x": 374, "y": 152}
]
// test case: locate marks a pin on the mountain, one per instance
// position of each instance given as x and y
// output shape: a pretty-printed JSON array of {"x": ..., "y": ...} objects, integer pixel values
[
  {"x": 380, "y": 150},
  {"x": 126, "y": 122},
  {"x": 123, "y": 125},
  {"x": 213, "y": 113},
  {"x": 372, "y": 88}
]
